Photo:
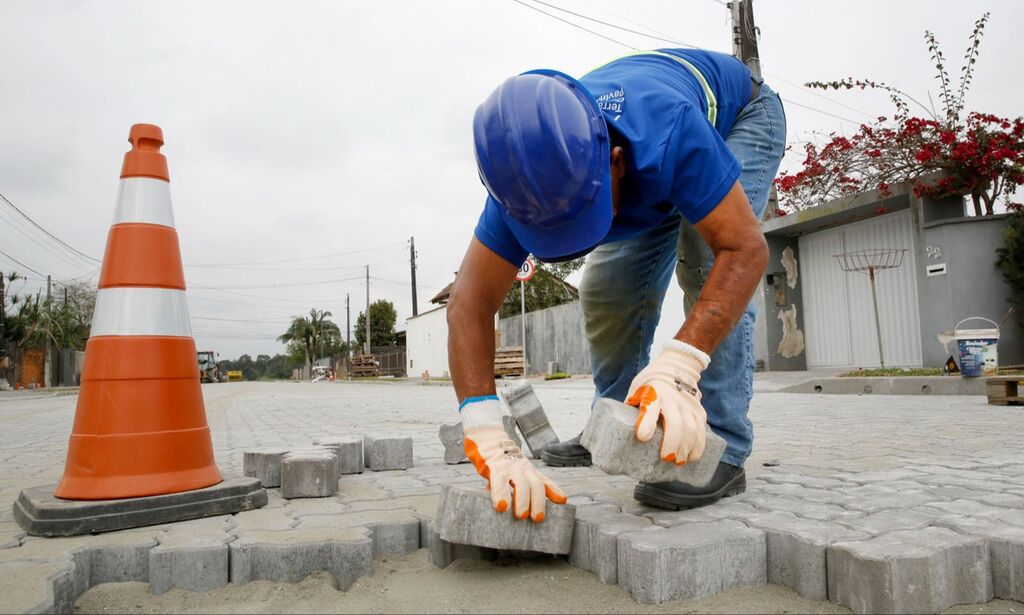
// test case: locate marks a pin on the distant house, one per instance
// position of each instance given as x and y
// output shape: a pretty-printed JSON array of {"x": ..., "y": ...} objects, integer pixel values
[{"x": 813, "y": 314}]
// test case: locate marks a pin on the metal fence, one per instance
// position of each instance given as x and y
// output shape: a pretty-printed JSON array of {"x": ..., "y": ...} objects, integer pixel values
[{"x": 390, "y": 360}]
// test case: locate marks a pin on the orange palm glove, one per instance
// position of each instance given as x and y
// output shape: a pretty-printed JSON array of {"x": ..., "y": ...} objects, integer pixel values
[
  {"x": 511, "y": 478},
  {"x": 667, "y": 390}
]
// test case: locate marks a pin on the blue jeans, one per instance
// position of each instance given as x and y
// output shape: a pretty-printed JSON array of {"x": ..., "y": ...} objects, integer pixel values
[{"x": 624, "y": 285}]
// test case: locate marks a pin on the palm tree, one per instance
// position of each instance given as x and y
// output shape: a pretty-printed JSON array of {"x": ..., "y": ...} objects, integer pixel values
[
  {"x": 312, "y": 332},
  {"x": 300, "y": 331}
]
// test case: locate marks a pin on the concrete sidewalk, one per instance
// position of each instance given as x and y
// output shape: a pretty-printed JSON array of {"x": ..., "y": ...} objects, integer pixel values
[{"x": 843, "y": 491}]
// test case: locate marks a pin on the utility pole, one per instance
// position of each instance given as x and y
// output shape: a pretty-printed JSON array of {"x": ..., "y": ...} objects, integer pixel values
[
  {"x": 744, "y": 47},
  {"x": 412, "y": 271},
  {"x": 3, "y": 324},
  {"x": 47, "y": 363},
  {"x": 367, "y": 309},
  {"x": 348, "y": 325},
  {"x": 744, "y": 35}
]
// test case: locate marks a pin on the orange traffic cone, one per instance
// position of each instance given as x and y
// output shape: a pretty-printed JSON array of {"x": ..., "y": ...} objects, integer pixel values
[{"x": 140, "y": 426}]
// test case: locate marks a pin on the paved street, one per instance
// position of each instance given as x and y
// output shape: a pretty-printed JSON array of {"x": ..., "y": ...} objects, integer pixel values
[{"x": 930, "y": 485}]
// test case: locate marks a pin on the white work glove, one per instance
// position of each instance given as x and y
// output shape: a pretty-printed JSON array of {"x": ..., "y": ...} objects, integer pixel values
[
  {"x": 667, "y": 390},
  {"x": 511, "y": 479}
]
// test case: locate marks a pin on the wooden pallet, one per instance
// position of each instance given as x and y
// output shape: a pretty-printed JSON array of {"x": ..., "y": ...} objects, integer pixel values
[
  {"x": 509, "y": 361},
  {"x": 1003, "y": 391},
  {"x": 363, "y": 366}
]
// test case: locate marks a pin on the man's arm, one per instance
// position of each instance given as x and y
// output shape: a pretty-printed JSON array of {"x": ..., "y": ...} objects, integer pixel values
[
  {"x": 669, "y": 384},
  {"x": 741, "y": 257},
  {"x": 482, "y": 284}
]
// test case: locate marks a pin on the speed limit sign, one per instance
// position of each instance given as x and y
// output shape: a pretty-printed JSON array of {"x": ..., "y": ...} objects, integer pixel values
[{"x": 526, "y": 270}]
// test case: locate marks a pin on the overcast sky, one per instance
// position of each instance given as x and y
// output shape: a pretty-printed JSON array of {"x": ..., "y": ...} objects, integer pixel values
[{"x": 303, "y": 129}]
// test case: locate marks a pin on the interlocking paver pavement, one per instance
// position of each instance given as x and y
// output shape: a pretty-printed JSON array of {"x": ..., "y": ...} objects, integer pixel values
[{"x": 856, "y": 477}]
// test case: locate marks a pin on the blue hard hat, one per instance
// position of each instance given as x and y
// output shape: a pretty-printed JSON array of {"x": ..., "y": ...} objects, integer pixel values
[{"x": 543, "y": 153}]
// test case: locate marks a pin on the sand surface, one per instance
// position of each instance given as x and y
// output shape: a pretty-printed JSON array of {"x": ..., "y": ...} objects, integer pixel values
[{"x": 410, "y": 584}]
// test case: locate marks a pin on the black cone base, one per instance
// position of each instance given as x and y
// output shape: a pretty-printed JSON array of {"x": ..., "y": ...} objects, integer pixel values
[{"x": 39, "y": 513}]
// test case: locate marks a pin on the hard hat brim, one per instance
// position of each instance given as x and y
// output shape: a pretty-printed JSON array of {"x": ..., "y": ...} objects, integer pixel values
[{"x": 575, "y": 237}]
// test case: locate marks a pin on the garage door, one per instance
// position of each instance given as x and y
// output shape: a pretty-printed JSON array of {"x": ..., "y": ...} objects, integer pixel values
[{"x": 838, "y": 315}]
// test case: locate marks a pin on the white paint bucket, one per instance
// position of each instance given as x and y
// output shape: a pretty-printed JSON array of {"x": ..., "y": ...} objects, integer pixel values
[{"x": 977, "y": 348}]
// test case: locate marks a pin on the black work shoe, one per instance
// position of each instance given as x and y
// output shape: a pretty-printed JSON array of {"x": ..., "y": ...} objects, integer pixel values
[
  {"x": 568, "y": 454},
  {"x": 674, "y": 495}
]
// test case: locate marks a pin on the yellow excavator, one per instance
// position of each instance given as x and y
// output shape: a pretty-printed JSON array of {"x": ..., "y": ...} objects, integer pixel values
[{"x": 209, "y": 370}]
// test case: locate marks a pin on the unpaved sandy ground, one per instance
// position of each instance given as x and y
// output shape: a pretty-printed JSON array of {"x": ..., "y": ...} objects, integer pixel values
[{"x": 410, "y": 584}]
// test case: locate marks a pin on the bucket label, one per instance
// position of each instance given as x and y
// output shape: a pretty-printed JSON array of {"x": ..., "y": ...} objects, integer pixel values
[{"x": 978, "y": 357}]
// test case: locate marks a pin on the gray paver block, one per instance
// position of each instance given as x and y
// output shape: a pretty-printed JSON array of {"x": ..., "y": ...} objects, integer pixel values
[
  {"x": 453, "y": 439},
  {"x": 442, "y": 553},
  {"x": 349, "y": 452},
  {"x": 691, "y": 561},
  {"x": 594, "y": 539},
  {"x": 309, "y": 475},
  {"x": 393, "y": 532},
  {"x": 797, "y": 550},
  {"x": 913, "y": 571},
  {"x": 610, "y": 436},
  {"x": 893, "y": 520},
  {"x": 723, "y": 509},
  {"x": 264, "y": 464},
  {"x": 293, "y": 555},
  {"x": 530, "y": 416},
  {"x": 263, "y": 519},
  {"x": 193, "y": 557},
  {"x": 388, "y": 453},
  {"x": 1006, "y": 551},
  {"x": 10, "y": 535},
  {"x": 465, "y": 516},
  {"x": 41, "y": 587}
]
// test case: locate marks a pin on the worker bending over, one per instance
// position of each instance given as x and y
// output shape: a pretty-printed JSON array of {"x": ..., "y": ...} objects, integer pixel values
[{"x": 654, "y": 162}]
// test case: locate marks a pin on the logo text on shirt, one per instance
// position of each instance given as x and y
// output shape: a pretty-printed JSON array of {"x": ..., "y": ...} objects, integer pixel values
[{"x": 613, "y": 102}]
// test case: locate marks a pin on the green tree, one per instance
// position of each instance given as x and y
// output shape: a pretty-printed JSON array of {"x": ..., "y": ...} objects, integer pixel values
[
  {"x": 382, "y": 324},
  {"x": 311, "y": 335},
  {"x": 546, "y": 289},
  {"x": 1011, "y": 261}
]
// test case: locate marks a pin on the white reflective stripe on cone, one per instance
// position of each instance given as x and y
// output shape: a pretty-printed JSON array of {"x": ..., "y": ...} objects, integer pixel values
[
  {"x": 144, "y": 200},
  {"x": 141, "y": 311}
]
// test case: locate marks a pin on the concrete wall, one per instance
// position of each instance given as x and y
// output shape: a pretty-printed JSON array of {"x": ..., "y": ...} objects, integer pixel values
[
  {"x": 779, "y": 297},
  {"x": 971, "y": 286},
  {"x": 554, "y": 334},
  {"x": 427, "y": 343}
]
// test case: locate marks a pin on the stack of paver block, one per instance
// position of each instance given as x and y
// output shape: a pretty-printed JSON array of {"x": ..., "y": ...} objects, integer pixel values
[
  {"x": 264, "y": 464},
  {"x": 453, "y": 439},
  {"x": 388, "y": 453},
  {"x": 349, "y": 452},
  {"x": 529, "y": 415},
  {"x": 313, "y": 472},
  {"x": 309, "y": 474}
]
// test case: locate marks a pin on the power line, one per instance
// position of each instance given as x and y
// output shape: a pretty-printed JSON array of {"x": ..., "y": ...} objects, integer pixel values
[
  {"x": 17, "y": 224},
  {"x": 611, "y": 25},
  {"x": 48, "y": 233},
  {"x": 575, "y": 25},
  {"x": 373, "y": 277},
  {"x": 322, "y": 269},
  {"x": 17, "y": 262},
  {"x": 295, "y": 260},
  {"x": 265, "y": 298},
  {"x": 810, "y": 108},
  {"x": 278, "y": 285},
  {"x": 677, "y": 42},
  {"x": 268, "y": 320}
]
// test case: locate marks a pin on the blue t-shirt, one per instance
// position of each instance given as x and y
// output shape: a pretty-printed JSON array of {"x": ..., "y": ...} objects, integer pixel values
[{"x": 676, "y": 161}]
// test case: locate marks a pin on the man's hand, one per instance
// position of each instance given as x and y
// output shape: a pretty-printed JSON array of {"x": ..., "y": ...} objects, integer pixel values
[
  {"x": 512, "y": 479},
  {"x": 667, "y": 389}
]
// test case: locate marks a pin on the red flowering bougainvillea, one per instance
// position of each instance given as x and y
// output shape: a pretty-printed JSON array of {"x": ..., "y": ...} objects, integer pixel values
[{"x": 981, "y": 155}]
